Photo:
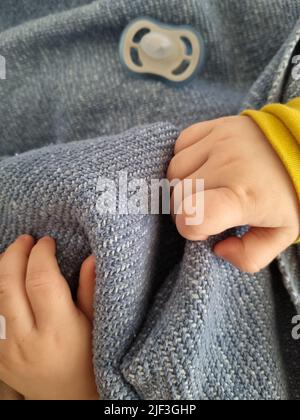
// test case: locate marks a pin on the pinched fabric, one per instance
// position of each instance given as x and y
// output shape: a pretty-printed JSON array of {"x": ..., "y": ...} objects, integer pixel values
[{"x": 172, "y": 321}]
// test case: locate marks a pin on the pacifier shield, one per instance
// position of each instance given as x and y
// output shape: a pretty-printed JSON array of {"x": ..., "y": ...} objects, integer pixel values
[{"x": 175, "y": 53}]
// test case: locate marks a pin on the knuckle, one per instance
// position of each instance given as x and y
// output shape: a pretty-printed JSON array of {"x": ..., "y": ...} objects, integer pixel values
[
  {"x": 223, "y": 134},
  {"x": 246, "y": 195},
  {"x": 226, "y": 141},
  {"x": 220, "y": 150},
  {"x": 186, "y": 132},
  {"x": 229, "y": 195}
]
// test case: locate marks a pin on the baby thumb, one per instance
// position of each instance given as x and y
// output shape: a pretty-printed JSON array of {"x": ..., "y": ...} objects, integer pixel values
[
  {"x": 255, "y": 250},
  {"x": 85, "y": 294}
]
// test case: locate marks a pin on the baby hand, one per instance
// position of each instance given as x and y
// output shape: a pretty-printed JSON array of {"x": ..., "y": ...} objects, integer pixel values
[
  {"x": 245, "y": 184},
  {"x": 47, "y": 353}
]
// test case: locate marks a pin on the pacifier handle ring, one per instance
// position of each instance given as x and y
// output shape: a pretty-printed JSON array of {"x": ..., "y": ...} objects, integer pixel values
[
  {"x": 193, "y": 39},
  {"x": 177, "y": 35}
]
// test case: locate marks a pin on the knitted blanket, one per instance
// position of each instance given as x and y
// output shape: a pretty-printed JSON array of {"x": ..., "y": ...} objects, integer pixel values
[{"x": 172, "y": 321}]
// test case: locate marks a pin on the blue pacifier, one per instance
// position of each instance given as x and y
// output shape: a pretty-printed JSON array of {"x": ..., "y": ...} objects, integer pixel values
[{"x": 175, "y": 53}]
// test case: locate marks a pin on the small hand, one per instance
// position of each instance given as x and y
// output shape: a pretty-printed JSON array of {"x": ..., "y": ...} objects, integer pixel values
[
  {"x": 245, "y": 184},
  {"x": 48, "y": 350}
]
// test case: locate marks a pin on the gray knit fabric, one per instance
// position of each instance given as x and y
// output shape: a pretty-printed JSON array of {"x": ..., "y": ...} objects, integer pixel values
[{"x": 172, "y": 321}]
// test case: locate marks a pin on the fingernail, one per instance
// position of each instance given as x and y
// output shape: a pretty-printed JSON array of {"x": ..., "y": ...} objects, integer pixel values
[
  {"x": 46, "y": 238},
  {"x": 26, "y": 238}
]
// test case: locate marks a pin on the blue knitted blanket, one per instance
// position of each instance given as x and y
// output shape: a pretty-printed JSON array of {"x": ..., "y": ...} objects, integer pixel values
[{"x": 172, "y": 321}]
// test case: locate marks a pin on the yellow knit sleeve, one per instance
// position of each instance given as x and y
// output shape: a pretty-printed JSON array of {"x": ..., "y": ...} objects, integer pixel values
[{"x": 281, "y": 125}]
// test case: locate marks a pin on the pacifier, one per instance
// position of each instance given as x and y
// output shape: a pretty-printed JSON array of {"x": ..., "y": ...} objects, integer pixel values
[{"x": 169, "y": 51}]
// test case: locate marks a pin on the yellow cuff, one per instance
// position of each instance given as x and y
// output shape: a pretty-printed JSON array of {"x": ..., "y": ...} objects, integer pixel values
[{"x": 281, "y": 125}]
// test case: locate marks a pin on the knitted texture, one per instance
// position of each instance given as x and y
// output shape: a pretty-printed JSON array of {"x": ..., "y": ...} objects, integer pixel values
[{"x": 171, "y": 319}]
